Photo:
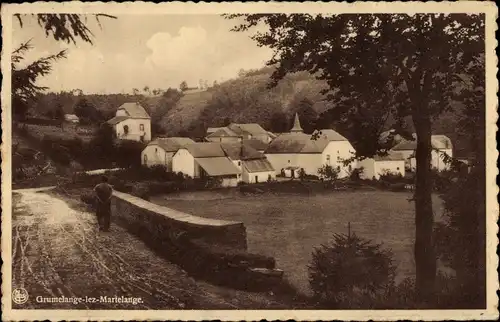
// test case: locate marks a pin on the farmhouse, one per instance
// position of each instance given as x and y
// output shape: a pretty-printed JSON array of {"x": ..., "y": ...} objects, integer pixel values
[
  {"x": 238, "y": 132},
  {"x": 293, "y": 151},
  {"x": 441, "y": 145},
  {"x": 132, "y": 122},
  {"x": 206, "y": 159},
  {"x": 161, "y": 151},
  {"x": 253, "y": 165},
  {"x": 393, "y": 163}
]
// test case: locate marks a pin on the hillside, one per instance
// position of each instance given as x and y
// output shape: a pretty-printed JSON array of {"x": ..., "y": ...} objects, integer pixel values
[{"x": 244, "y": 99}]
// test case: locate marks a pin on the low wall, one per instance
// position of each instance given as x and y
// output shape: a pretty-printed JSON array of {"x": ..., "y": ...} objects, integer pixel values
[{"x": 166, "y": 225}]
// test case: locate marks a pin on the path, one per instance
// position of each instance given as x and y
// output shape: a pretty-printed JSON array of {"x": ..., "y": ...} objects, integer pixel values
[{"x": 57, "y": 251}]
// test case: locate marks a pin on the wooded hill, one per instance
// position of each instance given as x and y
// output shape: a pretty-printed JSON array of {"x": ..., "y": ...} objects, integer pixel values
[{"x": 245, "y": 99}]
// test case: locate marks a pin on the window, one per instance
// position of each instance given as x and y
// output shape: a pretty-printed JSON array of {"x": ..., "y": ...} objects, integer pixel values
[
  {"x": 397, "y": 168},
  {"x": 125, "y": 129},
  {"x": 327, "y": 159},
  {"x": 156, "y": 150},
  {"x": 141, "y": 127},
  {"x": 145, "y": 157},
  {"x": 239, "y": 163},
  {"x": 350, "y": 168},
  {"x": 288, "y": 161}
]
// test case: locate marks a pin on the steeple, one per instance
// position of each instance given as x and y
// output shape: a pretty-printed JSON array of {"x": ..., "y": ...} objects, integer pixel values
[{"x": 296, "y": 124}]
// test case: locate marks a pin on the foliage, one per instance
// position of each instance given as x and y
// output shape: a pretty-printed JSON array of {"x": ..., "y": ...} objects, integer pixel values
[
  {"x": 279, "y": 122},
  {"x": 302, "y": 174},
  {"x": 183, "y": 86},
  {"x": 406, "y": 80},
  {"x": 24, "y": 88},
  {"x": 391, "y": 177},
  {"x": 329, "y": 173},
  {"x": 356, "y": 174},
  {"x": 63, "y": 27},
  {"x": 307, "y": 115},
  {"x": 85, "y": 110},
  {"x": 350, "y": 269},
  {"x": 167, "y": 102}
]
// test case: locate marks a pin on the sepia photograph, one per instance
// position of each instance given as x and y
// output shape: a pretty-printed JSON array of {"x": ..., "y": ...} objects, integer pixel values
[{"x": 248, "y": 161}]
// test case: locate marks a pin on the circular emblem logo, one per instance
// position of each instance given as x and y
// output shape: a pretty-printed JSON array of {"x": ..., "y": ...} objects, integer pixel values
[{"x": 19, "y": 295}]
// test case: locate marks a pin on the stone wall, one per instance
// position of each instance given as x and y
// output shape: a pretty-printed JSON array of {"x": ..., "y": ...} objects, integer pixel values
[{"x": 166, "y": 226}]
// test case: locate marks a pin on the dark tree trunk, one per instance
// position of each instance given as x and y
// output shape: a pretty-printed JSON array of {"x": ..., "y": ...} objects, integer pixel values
[{"x": 425, "y": 258}]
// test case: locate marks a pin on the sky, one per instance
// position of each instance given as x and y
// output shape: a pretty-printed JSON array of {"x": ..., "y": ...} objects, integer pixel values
[{"x": 134, "y": 51}]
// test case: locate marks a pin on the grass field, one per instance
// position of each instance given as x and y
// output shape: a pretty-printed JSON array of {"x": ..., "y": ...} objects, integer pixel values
[
  {"x": 288, "y": 227},
  {"x": 68, "y": 131}
]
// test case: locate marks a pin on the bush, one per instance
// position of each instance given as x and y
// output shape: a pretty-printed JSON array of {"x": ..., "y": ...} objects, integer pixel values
[
  {"x": 391, "y": 177},
  {"x": 350, "y": 272}
]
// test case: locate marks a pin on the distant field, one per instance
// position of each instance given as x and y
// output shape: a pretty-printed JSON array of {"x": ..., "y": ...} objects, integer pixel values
[
  {"x": 69, "y": 130},
  {"x": 288, "y": 227}
]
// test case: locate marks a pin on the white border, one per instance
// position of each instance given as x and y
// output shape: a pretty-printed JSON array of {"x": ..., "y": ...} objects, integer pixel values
[{"x": 140, "y": 8}]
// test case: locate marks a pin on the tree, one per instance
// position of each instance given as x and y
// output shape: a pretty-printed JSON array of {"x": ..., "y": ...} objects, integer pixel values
[
  {"x": 279, "y": 122},
  {"x": 62, "y": 27},
  {"x": 307, "y": 115},
  {"x": 86, "y": 111},
  {"x": 59, "y": 114},
  {"x": 183, "y": 86},
  {"x": 376, "y": 66},
  {"x": 168, "y": 101},
  {"x": 328, "y": 172},
  {"x": 350, "y": 272}
]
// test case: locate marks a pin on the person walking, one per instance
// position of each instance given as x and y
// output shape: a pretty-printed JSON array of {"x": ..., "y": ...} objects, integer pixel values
[{"x": 103, "y": 192}]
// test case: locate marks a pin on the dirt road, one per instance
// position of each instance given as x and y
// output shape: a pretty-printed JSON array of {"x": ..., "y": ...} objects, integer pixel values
[{"x": 59, "y": 255}]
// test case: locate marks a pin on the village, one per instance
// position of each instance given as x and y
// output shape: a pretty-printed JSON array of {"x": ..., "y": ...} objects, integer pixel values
[{"x": 250, "y": 154}]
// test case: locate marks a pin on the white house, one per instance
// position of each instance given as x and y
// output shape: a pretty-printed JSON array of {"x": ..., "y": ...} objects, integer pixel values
[
  {"x": 161, "y": 151},
  {"x": 132, "y": 122},
  {"x": 441, "y": 146},
  {"x": 293, "y": 151},
  {"x": 374, "y": 167},
  {"x": 206, "y": 159},
  {"x": 253, "y": 165}
]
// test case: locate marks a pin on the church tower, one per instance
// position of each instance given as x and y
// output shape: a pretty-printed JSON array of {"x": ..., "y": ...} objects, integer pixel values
[{"x": 296, "y": 125}]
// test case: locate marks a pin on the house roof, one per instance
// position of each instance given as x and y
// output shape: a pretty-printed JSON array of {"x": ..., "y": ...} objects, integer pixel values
[
  {"x": 272, "y": 135},
  {"x": 330, "y": 135},
  {"x": 171, "y": 144},
  {"x": 211, "y": 130},
  {"x": 256, "y": 144},
  {"x": 258, "y": 165},
  {"x": 134, "y": 110},
  {"x": 244, "y": 128},
  {"x": 391, "y": 156},
  {"x": 205, "y": 150},
  {"x": 299, "y": 142},
  {"x": 437, "y": 142},
  {"x": 240, "y": 151},
  {"x": 222, "y": 132},
  {"x": 117, "y": 119},
  {"x": 217, "y": 166}
]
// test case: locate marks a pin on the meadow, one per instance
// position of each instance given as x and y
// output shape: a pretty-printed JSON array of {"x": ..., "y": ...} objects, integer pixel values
[{"x": 289, "y": 226}]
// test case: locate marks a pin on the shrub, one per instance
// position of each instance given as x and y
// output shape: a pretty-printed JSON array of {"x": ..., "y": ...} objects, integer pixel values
[
  {"x": 329, "y": 173},
  {"x": 350, "y": 272},
  {"x": 356, "y": 173},
  {"x": 391, "y": 177}
]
